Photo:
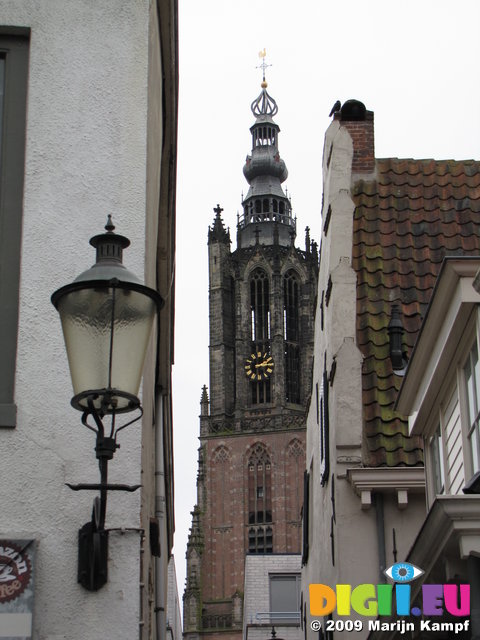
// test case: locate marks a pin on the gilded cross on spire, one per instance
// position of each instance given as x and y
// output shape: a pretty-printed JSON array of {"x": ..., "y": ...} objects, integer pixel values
[{"x": 263, "y": 66}]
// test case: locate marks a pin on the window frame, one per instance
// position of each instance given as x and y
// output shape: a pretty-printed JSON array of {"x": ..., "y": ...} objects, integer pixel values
[
  {"x": 453, "y": 384},
  {"x": 436, "y": 453},
  {"x": 15, "y": 47},
  {"x": 472, "y": 423},
  {"x": 294, "y": 578}
]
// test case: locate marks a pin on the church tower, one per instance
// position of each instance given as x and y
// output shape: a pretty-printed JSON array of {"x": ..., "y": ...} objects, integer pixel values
[{"x": 252, "y": 419}]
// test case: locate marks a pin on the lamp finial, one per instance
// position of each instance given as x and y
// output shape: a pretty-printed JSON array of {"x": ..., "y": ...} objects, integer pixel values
[{"x": 109, "y": 227}]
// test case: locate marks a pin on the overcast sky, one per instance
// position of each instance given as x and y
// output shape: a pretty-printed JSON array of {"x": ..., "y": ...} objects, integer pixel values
[{"x": 415, "y": 63}]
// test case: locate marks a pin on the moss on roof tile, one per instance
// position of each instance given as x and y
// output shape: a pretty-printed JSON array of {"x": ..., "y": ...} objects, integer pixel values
[{"x": 405, "y": 223}]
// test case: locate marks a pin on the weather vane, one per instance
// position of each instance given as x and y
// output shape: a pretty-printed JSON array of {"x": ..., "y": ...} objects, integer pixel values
[{"x": 263, "y": 66}]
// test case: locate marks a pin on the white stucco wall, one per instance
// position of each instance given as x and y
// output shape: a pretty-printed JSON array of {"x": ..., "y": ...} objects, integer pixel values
[
  {"x": 338, "y": 339},
  {"x": 335, "y": 509},
  {"x": 85, "y": 158}
]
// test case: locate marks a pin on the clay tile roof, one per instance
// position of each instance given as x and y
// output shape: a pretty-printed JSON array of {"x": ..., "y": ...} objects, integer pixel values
[{"x": 405, "y": 223}]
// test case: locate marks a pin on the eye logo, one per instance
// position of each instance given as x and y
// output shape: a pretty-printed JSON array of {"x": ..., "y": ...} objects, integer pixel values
[{"x": 403, "y": 572}]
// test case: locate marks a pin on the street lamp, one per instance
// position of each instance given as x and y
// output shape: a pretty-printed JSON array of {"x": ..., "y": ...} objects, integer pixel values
[{"x": 107, "y": 316}]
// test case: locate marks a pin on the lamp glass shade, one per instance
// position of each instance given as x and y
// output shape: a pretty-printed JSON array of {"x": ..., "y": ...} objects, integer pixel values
[{"x": 106, "y": 330}]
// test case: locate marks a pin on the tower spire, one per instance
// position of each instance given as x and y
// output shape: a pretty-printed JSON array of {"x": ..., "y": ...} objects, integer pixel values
[{"x": 266, "y": 204}]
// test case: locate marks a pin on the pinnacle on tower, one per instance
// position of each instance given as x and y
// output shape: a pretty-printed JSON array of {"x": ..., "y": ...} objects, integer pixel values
[
  {"x": 307, "y": 239},
  {"x": 204, "y": 401},
  {"x": 217, "y": 232}
]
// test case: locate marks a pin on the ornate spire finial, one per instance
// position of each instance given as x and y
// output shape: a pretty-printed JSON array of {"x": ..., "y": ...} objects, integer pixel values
[
  {"x": 109, "y": 227},
  {"x": 264, "y": 105},
  {"x": 263, "y": 66}
]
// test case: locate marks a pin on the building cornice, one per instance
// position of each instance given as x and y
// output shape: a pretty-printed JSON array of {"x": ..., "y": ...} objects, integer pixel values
[
  {"x": 452, "y": 521},
  {"x": 399, "y": 480}
]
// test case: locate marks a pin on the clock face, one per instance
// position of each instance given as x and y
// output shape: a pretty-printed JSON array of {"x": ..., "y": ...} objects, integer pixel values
[{"x": 259, "y": 366}]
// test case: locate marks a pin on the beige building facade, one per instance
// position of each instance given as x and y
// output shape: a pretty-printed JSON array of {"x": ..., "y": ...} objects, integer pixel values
[
  {"x": 387, "y": 226},
  {"x": 440, "y": 396}
]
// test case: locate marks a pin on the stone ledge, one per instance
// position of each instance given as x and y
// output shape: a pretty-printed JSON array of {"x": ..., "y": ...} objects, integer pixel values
[{"x": 401, "y": 480}]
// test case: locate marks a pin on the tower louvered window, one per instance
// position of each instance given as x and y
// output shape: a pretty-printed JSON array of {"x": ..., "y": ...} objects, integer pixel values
[
  {"x": 291, "y": 337},
  {"x": 260, "y": 533},
  {"x": 260, "y": 331}
]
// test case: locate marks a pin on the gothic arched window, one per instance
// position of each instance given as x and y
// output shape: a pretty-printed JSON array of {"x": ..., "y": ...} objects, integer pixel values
[
  {"x": 260, "y": 330},
  {"x": 260, "y": 534},
  {"x": 291, "y": 336},
  {"x": 294, "y": 469},
  {"x": 220, "y": 484}
]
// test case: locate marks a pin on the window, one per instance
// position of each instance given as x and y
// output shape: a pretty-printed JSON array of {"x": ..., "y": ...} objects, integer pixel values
[
  {"x": 471, "y": 372},
  {"x": 13, "y": 100},
  {"x": 444, "y": 449},
  {"x": 259, "y": 487},
  {"x": 260, "y": 540},
  {"x": 260, "y": 331},
  {"x": 285, "y": 598},
  {"x": 438, "y": 469},
  {"x": 260, "y": 537},
  {"x": 291, "y": 337}
]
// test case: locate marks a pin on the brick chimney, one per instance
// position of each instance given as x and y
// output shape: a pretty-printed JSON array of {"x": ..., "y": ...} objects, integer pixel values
[{"x": 359, "y": 122}]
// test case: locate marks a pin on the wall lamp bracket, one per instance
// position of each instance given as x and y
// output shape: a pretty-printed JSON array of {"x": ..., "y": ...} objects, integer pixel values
[{"x": 93, "y": 537}]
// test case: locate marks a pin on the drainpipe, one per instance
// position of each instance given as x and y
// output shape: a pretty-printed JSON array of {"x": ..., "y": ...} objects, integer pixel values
[
  {"x": 160, "y": 563},
  {"x": 473, "y": 569},
  {"x": 378, "y": 502}
]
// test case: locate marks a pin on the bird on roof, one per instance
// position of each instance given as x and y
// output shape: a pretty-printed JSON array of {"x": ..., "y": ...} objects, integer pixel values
[{"x": 336, "y": 107}]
